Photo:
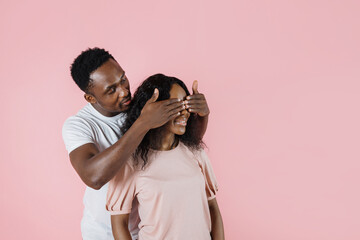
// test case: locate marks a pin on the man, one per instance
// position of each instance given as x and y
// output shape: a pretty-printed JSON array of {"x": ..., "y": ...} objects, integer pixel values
[{"x": 93, "y": 138}]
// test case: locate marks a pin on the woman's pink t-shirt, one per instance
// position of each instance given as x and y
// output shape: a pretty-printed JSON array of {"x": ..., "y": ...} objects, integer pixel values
[{"x": 172, "y": 193}]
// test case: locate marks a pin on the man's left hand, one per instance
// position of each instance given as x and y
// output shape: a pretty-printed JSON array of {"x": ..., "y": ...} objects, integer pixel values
[{"x": 196, "y": 103}]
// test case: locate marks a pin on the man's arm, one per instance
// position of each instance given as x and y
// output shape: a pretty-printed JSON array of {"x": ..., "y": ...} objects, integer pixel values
[
  {"x": 196, "y": 103},
  {"x": 217, "y": 227},
  {"x": 120, "y": 229},
  {"x": 201, "y": 125},
  {"x": 97, "y": 168}
]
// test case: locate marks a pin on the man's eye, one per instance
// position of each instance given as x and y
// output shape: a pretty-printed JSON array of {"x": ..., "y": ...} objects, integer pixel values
[{"x": 111, "y": 91}]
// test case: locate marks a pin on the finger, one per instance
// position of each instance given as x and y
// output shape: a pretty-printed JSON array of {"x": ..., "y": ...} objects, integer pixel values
[
  {"x": 196, "y": 96},
  {"x": 195, "y": 87},
  {"x": 195, "y": 106},
  {"x": 171, "y": 101},
  {"x": 154, "y": 97},
  {"x": 195, "y": 110},
  {"x": 174, "y": 105},
  {"x": 172, "y": 116},
  {"x": 176, "y": 110},
  {"x": 195, "y": 101}
]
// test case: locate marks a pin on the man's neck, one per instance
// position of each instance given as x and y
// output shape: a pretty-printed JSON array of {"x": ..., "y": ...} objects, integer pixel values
[{"x": 102, "y": 111}]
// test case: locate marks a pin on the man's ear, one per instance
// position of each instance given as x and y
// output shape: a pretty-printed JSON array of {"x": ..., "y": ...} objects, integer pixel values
[{"x": 89, "y": 98}]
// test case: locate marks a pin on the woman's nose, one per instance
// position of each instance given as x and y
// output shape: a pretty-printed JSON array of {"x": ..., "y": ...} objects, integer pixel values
[{"x": 185, "y": 112}]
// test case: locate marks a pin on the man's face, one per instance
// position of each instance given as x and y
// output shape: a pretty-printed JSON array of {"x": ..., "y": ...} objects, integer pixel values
[{"x": 109, "y": 90}]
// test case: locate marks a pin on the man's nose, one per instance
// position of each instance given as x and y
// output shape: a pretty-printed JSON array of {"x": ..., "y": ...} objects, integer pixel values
[{"x": 123, "y": 92}]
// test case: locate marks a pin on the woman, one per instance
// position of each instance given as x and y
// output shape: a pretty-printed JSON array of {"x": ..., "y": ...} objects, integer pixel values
[{"x": 169, "y": 178}]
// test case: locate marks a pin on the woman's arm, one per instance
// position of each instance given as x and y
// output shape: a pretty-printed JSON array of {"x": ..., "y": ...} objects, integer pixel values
[
  {"x": 217, "y": 227},
  {"x": 120, "y": 228}
]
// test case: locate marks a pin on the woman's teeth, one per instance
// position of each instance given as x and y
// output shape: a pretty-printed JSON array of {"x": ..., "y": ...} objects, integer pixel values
[{"x": 181, "y": 122}]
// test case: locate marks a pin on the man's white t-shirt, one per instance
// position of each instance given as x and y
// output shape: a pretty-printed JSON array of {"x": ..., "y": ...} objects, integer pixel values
[{"x": 90, "y": 126}]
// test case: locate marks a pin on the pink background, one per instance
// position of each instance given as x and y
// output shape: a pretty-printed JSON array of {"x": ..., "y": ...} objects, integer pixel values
[{"x": 281, "y": 78}]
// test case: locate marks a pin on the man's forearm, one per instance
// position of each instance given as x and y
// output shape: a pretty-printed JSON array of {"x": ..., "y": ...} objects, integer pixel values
[
  {"x": 104, "y": 165},
  {"x": 201, "y": 125}
]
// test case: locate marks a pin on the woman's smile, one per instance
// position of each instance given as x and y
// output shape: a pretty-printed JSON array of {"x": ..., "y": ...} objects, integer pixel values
[{"x": 180, "y": 121}]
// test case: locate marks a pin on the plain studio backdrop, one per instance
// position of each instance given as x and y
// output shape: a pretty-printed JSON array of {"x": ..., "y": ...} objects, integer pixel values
[{"x": 282, "y": 79}]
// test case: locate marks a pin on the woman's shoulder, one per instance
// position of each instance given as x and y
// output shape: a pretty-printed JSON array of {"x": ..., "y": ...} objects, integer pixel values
[
  {"x": 198, "y": 154},
  {"x": 131, "y": 167}
]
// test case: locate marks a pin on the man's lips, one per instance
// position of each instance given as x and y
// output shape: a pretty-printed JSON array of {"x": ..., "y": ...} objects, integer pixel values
[{"x": 126, "y": 102}]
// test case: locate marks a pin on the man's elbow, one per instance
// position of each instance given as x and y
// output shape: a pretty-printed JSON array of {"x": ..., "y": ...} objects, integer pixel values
[
  {"x": 95, "y": 183},
  {"x": 95, "y": 186}
]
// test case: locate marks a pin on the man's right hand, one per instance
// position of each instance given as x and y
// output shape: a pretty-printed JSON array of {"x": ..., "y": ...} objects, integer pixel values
[{"x": 155, "y": 114}]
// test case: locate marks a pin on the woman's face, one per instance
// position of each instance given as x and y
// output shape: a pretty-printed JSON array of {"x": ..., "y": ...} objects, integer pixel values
[{"x": 178, "y": 125}]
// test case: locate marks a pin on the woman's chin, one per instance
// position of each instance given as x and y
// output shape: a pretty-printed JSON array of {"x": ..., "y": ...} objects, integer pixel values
[{"x": 180, "y": 130}]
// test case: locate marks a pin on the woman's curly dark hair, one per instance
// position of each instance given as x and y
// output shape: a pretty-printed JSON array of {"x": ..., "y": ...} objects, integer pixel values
[{"x": 190, "y": 138}]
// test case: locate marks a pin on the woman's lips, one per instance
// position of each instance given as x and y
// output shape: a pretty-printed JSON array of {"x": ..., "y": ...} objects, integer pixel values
[{"x": 181, "y": 122}]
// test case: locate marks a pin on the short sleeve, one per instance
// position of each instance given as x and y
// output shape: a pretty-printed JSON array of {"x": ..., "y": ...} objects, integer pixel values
[
  {"x": 121, "y": 191},
  {"x": 76, "y": 132},
  {"x": 211, "y": 185}
]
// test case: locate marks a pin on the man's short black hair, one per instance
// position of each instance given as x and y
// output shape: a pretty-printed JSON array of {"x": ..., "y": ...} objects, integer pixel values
[{"x": 87, "y": 62}]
